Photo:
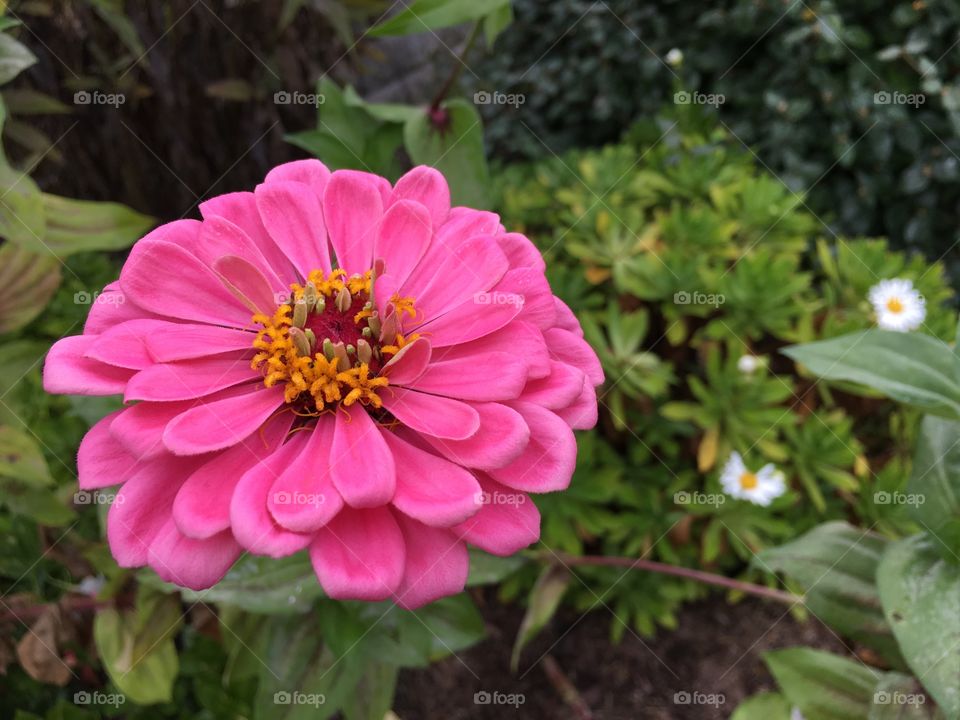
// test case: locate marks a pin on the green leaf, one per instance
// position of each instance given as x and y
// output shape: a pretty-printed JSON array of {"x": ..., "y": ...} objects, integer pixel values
[
  {"x": 920, "y": 592},
  {"x": 901, "y": 697},
  {"x": 935, "y": 480},
  {"x": 14, "y": 58},
  {"x": 487, "y": 569},
  {"x": 28, "y": 281},
  {"x": 21, "y": 459},
  {"x": 543, "y": 602},
  {"x": 910, "y": 367},
  {"x": 836, "y": 564},
  {"x": 454, "y": 146},
  {"x": 22, "y": 218},
  {"x": 386, "y": 112},
  {"x": 496, "y": 22},
  {"x": 452, "y": 623},
  {"x": 260, "y": 585},
  {"x": 24, "y": 101},
  {"x": 423, "y": 15},
  {"x": 823, "y": 685},
  {"x": 17, "y": 359},
  {"x": 372, "y": 697},
  {"x": 80, "y": 225},
  {"x": 763, "y": 706},
  {"x": 137, "y": 646}
]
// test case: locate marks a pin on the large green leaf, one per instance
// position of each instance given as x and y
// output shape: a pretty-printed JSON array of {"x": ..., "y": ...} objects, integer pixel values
[
  {"x": 260, "y": 585},
  {"x": 823, "y": 685},
  {"x": 27, "y": 282},
  {"x": 423, "y": 15},
  {"x": 137, "y": 646},
  {"x": 836, "y": 565},
  {"x": 487, "y": 569},
  {"x": 17, "y": 359},
  {"x": 21, "y": 459},
  {"x": 451, "y": 140},
  {"x": 14, "y": 58},
  {"x": 22, "y": 217},
  {"x": 900, "y": 697},
  {"x": 763, "y": 706},
  {"x": 80, "y": 225},
  {"x": 935, "y": 481},
  {"x": 910, "y": 367},
  {"x": 920, "y": 592},
  {"x": 373, "y": 696}
]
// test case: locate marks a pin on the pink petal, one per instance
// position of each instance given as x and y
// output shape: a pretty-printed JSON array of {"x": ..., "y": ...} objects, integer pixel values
[
  {"x": 437, "y": 416},
  {"x": 166, "y": 279},
  {"x": 539, "y": 306},
  {"x": 142, "y": 507},
  {"x": 428, "y": 187},
  {"x": 184, "y": 233},
  {"x": 507, "y": 523},
  {"x": 470, "y": 320},
  {"x": 502, "y": 436},
  {"x": 292, "y": 215},
  {"x": 189, "y": 379},
  {"x": 361, "y": 464},
  {"x": 581, "y": 414},
  {"x": 473, "y": 267},
  {"x": 565, "y": 319},
  {"x": 568, "y": 348},
  {"x": 250, "y": 519},
  {"x": 101, "y": 461},
  {"x": 437, "y": 564},
  {"x": 190, "y": 563},
  {"x": 352, "y": 208},
  {"x": 111, "y": 308},
  {"x": 123, "y": 346},
  {"x": 240, "y": 208},
  {"x": 489, "y": 377},
  {"x": 359, "y": 555},
  {"x": 548, "y": 461},
  {"x": 139, "y": 428},
  {"x": 222, "y": 423},
  {"x": 558, "y": 390},
  {"x": 219, "y": 237},
  {"x": 311, "y": 172},
  {"x": 168, "y": 342},
  {"x": 461, "y": 224},
  {"x": 431, "y": 489},
  {"x": 521, "y": 252},
  {"x": 523, "y": 340},
  {"x": 408, "y": 364},
  {"x": 403, "y": 237},
  {"x": 67, "y": 370},
  {"x": 248, "y": 284},
  {"x": 303, "y": 497}
]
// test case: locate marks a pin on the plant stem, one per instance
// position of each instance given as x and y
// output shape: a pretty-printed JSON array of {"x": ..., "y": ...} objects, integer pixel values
[
  {"x": 678, "y": 571},
  {"x": 458, "y": 67}
]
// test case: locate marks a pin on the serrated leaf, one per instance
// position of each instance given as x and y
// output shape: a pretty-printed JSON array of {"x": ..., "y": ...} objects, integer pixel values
[{"x": 920, "y": 592}]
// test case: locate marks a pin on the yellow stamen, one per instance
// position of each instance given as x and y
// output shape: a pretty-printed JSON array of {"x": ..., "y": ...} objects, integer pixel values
[
  {"x": 894, "y": 305},
  {"x": 748, "y": 481}
]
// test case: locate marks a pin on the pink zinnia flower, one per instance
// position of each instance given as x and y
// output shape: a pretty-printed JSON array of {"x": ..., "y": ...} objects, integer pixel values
[{"x": 336, "y": 364}]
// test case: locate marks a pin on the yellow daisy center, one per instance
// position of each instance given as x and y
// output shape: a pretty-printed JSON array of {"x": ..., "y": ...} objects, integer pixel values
[
  {"x": 327, "y": 344},
  {"x": 748, "y": 481},
  {"x": 895, "y": 305}
]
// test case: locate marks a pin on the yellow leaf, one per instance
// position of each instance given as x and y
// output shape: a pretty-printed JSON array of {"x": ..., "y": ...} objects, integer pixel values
[{"x": 707, "y": 452}]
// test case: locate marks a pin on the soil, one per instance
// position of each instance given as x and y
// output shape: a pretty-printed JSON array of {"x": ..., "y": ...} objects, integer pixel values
[{"x": 716, "y": 651}]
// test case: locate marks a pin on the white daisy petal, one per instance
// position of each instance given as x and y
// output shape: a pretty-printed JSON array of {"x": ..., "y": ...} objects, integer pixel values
[{"x": 898, "y": 305}]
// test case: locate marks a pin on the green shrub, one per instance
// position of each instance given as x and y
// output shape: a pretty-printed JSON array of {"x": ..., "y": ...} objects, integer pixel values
[
  {"x": 682, "y": 257},
  {"x": 799, "y": 82}
]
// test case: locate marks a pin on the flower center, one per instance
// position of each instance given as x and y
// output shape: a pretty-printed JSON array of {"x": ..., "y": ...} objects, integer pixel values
[
  {"x": 894, "y": 305},
  {"x": 328, "y": 344},
  {"x": 748, "y": 481}
]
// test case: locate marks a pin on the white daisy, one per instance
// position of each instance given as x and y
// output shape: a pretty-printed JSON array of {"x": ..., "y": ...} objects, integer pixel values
[
  {"x": 795, "y": 714},
  {"x": 749, "y": 364},
  {"x": 674, "y": 57},
  {"x": 760, "y": 488},
  {"x": 897, "y": 304}
]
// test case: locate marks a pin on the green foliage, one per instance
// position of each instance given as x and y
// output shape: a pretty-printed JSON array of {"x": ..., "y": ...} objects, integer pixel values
[{"x": 809, "y": 87}]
